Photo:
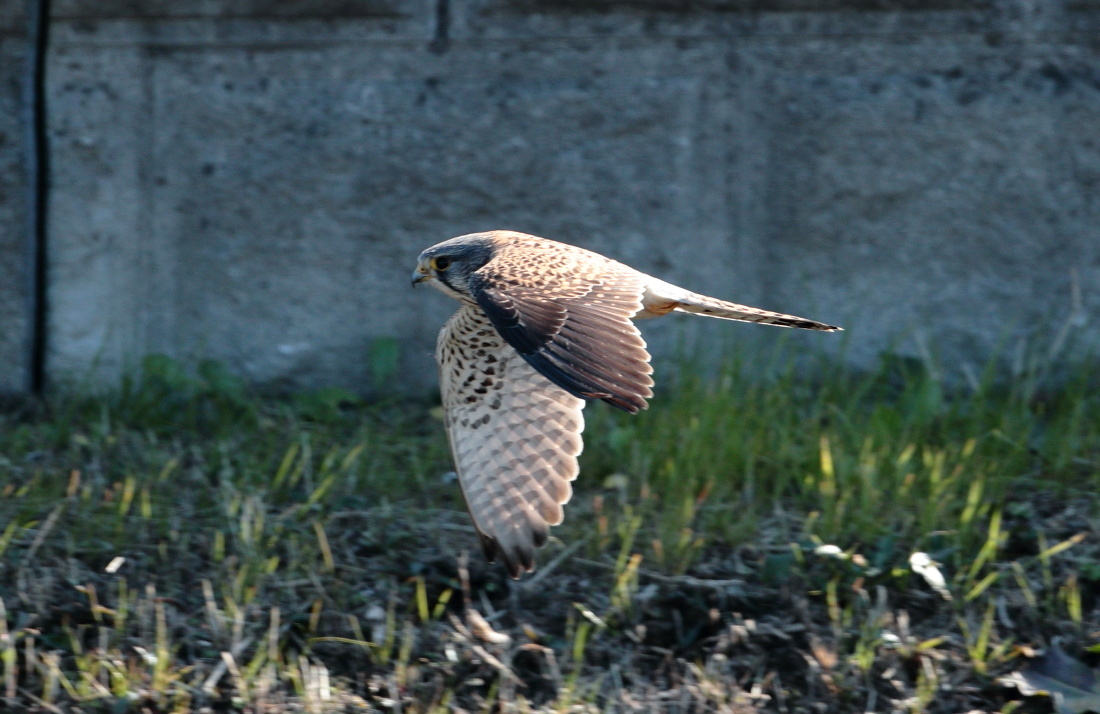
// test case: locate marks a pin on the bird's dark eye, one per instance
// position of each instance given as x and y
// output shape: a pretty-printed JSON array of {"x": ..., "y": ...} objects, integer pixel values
[{"x": 441, "y": 263}]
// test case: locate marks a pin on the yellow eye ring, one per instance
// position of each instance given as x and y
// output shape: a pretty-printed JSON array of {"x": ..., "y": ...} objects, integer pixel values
[{"x": 441, "y": 263}]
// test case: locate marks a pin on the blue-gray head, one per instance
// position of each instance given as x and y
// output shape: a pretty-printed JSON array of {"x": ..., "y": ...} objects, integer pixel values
[{"x": 449, "y": 265}]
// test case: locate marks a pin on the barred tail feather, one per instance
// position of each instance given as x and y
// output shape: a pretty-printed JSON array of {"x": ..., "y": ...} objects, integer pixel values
[{"x": 712, "y": 307}]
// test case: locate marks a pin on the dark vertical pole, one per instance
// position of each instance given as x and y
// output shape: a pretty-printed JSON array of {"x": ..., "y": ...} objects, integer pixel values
[
  {"x": 37, "y": 161},
  {"x": 442, "y": 39}
]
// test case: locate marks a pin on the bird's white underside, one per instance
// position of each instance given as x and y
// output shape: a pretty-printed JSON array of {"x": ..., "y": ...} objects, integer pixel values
[{"x": 514, "y": 435}]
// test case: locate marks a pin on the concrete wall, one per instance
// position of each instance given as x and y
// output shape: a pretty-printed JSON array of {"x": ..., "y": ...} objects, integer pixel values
[
  {"x": 14, "y": 195},
  {"x": 252, "y": 181}
]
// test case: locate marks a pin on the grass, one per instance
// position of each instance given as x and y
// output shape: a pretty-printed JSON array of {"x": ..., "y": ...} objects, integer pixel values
[{"x": 183, "y": 544}]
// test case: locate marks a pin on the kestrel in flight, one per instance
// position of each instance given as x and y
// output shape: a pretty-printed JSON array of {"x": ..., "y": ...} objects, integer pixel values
[{"x": 542, "y": 327}]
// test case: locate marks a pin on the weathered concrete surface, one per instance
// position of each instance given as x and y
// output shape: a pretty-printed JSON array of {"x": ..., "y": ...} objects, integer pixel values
[
  {"x": 254, "y": 186},
  {"x": 13, "y": 201},
  {"x": 959, "y": 204}
]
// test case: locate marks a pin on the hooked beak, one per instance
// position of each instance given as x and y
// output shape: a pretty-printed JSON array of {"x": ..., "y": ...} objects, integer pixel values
[{"x": 420, "y": 275}]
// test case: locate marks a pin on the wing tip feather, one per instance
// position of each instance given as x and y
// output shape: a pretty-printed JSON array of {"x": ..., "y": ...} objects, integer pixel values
[{"x": 516, "y": 563}]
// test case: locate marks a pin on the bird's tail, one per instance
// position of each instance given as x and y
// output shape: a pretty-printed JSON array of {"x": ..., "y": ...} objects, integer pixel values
[{"x": 712, "y": 307}]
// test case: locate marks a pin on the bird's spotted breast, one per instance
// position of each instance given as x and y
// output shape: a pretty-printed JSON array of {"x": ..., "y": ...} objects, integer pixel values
[{"x": 515, "y": 438}]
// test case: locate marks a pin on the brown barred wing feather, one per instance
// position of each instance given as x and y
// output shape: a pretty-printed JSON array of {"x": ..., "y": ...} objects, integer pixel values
[
  {"x": 579, "y": 335},
  {"x": 515, "y": 438}
]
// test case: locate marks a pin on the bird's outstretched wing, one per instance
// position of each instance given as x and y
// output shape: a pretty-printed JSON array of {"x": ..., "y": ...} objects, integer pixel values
[
  {"x": 575, "y": 328},
  {"x": 515, "y": 438}
]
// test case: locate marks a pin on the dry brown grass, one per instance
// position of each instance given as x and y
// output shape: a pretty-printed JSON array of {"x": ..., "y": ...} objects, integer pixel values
[{"x": 183, "y": 545}]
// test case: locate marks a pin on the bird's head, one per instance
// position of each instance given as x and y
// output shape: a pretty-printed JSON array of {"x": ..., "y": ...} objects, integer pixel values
[{"x": 450, "y": 265}]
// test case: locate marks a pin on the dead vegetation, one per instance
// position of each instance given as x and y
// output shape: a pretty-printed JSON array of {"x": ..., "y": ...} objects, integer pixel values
[{"x": 863, "y": 543}]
